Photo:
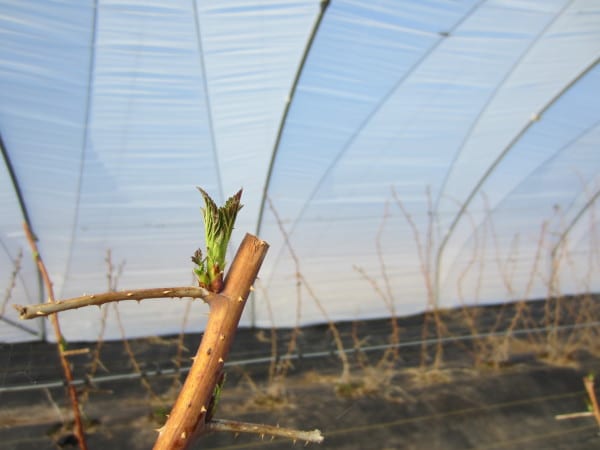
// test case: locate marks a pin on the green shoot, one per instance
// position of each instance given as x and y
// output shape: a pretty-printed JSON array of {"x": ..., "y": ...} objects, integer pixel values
[
  {"x": 216, "y": 397},
  {"x": 218, "y": 225}
]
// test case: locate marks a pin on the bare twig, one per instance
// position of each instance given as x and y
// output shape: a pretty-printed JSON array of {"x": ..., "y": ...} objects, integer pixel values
[
  {"x": 522, "y": 304},
  {"x": 278, "y": 368},
  {"x": 424, "y": 253},
  {"x": 76, "y": 351},
  {"x": 180, "y": 345},
  {"x": 78, "y": 424},
  {"x": 233, "y": 426},
  {"x": 96, "y": 362},
  {"x": 12, "y": 281},
  {"x": 576, "y": 415},
  {"x": 132, "y": 358},
  {"x": 44, "y": 309},
  {"x": 112, "y": 277},
  {"x": 392, "y": 353},
  {"x": 302, "y": 281}
]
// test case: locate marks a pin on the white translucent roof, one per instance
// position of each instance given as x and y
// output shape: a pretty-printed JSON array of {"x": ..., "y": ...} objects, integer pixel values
[{"x": 347, "y": 123}]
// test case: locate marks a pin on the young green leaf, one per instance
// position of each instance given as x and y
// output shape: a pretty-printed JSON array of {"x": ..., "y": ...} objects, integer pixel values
[
  {"x": 214, "y": 400},
  {"x": 218, "y": 225}
]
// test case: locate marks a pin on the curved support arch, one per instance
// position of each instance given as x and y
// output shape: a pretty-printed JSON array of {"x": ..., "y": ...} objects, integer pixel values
[
  {"x": 209, "y": 113},
  {"x": 288, "y": 104},
  {"x": 324, "y": 4},
  {"x": 24, "y": 212},
  {"x": 14, "y": 181},
  {"x": 491, "y": 98},
  {"x": 365, "y": 122},
  {"x": 477, "y": 228},
  {"x": 495, "y": 164}
]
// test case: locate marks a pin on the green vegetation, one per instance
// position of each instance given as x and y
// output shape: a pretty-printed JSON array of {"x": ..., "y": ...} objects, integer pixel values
[{"x": 218, "y": 225}]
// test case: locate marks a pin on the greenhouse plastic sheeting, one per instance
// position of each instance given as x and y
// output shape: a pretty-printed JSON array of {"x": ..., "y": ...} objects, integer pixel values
[{"x": 396, "y": 155}]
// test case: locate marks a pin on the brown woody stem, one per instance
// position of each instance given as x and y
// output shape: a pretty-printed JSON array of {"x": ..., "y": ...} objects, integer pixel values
[
  {"x": 187, "y": 418},
  {"x": 78, "y": 424},
  {"x": 588, "y": 382}
]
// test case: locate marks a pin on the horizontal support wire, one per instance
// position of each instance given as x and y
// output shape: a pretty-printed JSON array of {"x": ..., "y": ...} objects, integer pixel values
[{"x": 298, "y": 356}]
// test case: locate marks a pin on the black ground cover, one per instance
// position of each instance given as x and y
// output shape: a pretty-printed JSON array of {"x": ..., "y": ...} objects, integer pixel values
[{"x": 473, "y": 400}]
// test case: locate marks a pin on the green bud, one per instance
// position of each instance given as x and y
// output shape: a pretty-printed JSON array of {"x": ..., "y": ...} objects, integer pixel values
[{"x": 218, "y": 225}]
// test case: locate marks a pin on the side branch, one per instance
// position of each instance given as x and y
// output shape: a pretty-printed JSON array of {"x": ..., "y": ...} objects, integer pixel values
[
  {"x": 233, "y": 426},
  {"x": 45, "y": 309}
]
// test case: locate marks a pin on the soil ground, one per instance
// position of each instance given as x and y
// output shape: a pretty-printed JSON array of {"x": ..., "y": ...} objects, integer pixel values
[{"x": 481, "y": 395}]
